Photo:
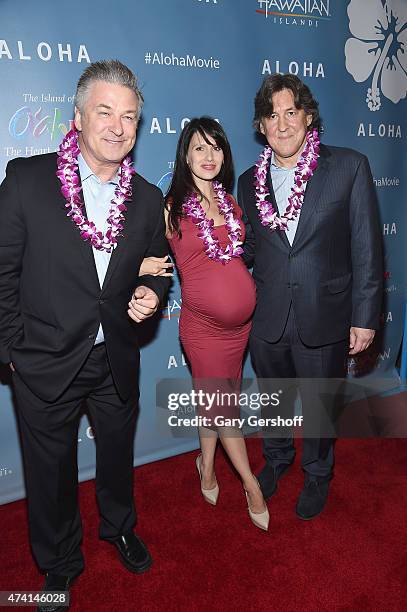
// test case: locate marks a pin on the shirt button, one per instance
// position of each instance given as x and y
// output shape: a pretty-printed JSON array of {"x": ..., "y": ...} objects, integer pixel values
[{"x": 102, "y": 302}]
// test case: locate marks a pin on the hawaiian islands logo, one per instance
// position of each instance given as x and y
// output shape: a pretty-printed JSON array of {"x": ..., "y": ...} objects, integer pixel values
[
  {"x": 295, "y": 12},
  {"x": 378, "y": 48}
]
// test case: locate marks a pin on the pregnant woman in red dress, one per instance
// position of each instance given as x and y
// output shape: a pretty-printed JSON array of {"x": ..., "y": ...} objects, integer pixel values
[{"x": 205, "y": 232}]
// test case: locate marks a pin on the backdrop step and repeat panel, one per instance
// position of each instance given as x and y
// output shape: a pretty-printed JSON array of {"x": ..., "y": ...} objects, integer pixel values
[{"x": 195, "y": 57}]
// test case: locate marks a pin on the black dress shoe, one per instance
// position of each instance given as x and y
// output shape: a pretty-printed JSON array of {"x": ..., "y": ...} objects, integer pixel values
[
  {"x": 133, "y": 553},
  {"x": 55, "y": 583},
  {"x": 312, "y": 499},
  {"x": 269, "y": 477}
]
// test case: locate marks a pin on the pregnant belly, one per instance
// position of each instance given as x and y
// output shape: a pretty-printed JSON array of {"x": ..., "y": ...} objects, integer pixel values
[{"x": 224, "y": 296}]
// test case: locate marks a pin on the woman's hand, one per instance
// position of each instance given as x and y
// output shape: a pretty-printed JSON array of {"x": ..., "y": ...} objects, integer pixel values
[{"x": 156, "y": 266}]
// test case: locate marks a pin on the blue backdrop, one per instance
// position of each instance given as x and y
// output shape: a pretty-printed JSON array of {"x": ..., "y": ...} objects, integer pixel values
[{"x": 197, "y": 57}]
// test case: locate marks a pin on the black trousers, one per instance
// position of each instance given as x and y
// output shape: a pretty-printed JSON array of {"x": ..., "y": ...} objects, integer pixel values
[
  {"x": 291, "y": 358},
  {"x": 49, "y": 433}
]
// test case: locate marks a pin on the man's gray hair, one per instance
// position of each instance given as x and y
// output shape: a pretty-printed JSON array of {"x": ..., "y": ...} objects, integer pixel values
[{"x": 110, "y": 71}]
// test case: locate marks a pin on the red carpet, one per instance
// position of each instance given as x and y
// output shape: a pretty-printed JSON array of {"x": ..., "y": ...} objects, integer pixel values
[{"x": 352, "y": 557}]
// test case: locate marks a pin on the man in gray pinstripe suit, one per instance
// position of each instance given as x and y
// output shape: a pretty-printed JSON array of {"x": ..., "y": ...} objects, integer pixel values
[{"x": 319, "y": 281}]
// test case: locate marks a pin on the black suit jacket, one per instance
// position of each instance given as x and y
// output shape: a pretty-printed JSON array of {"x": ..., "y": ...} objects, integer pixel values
[
  {"x": 332, "y": 274},
  {"x": 51, "y": 303}
]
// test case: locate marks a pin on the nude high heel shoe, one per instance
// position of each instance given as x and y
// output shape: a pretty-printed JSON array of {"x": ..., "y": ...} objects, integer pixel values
[
  {"x": 260, "y": 519},
  {"x": 210, "y": 495}
]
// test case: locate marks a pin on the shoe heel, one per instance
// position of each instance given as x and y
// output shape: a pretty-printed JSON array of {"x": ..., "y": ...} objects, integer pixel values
[
  {"x": 259, "y": 519},
  {"x": 209, "y": 495}
]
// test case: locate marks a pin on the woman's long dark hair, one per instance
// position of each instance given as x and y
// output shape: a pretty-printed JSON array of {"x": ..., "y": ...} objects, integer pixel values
[{"x": 183, "y": 183}]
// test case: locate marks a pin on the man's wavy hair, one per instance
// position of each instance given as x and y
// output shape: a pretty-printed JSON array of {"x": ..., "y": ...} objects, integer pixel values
[{"x": 303, "y": 99}]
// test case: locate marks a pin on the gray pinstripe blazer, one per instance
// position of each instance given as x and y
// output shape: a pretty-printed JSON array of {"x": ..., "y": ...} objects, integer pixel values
[{"x": 332, "y": 274}]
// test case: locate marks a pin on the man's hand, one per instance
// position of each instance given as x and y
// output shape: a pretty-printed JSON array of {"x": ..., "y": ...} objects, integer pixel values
[
  {"x": 143, "y": 304},
  {"x": 360, "y": 339},
  {"x": 12, "y": 368}
]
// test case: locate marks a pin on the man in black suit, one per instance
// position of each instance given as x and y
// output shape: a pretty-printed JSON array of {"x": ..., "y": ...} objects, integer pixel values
[
  {"x": 68, "y": 312},
  {"x": 318, "y": 273}
]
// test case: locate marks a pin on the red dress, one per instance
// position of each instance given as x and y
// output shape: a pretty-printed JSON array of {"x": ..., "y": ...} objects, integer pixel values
[{"x": 218, "y": 301}]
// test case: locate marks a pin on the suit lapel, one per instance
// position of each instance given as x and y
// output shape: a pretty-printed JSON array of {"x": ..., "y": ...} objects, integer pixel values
[
  {"x": 312, "y": 193},
  {"x": 116, "y": 255},
  {"x": 71, "y": 232},
  {"x": 129, "y": 220},
  {"x": 86, "y": 251}
]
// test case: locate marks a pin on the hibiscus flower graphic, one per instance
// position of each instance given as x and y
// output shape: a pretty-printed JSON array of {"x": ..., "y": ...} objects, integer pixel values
[{"x": 379, "y": 47}]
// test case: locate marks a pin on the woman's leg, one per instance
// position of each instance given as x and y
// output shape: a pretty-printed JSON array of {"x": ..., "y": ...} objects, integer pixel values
[
  {"x": 208, "y": 439},
  {"x": 216, "y": 377},
  {"x": 234, "y": 444},
  {"x": 198, "y": 358}
]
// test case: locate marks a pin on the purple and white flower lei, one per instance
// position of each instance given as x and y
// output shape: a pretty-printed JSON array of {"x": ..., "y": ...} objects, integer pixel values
[
  {"x": 68, "y": 175},
  {"x": 305, "y": 169},
  {"x": 192, "y": 208}
]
